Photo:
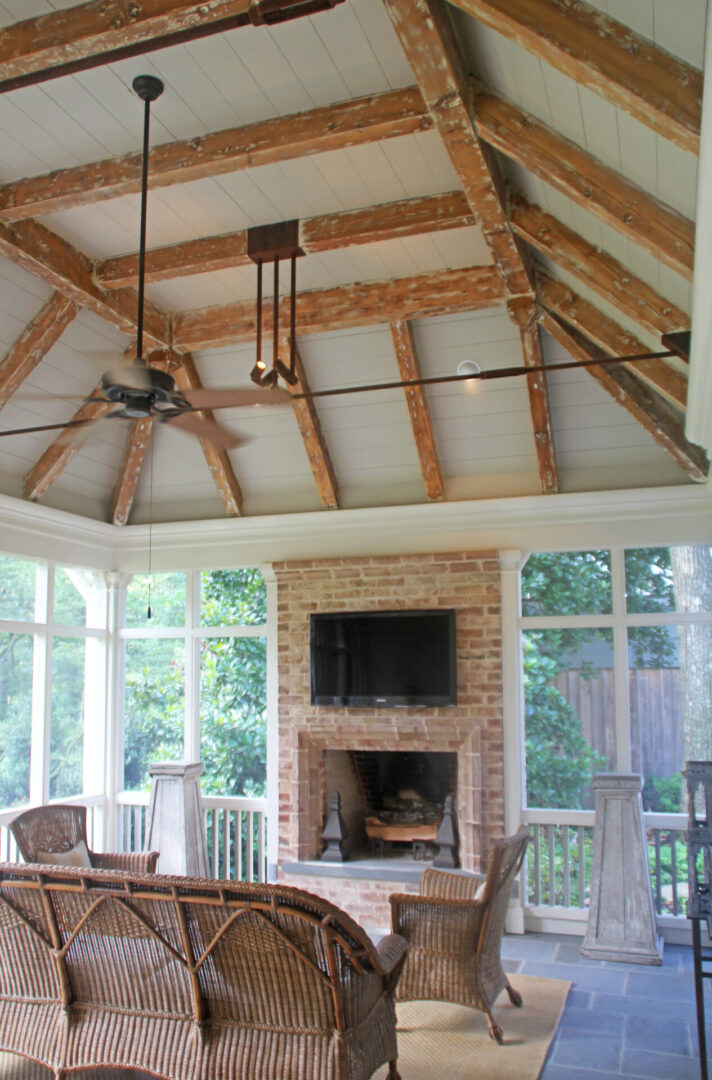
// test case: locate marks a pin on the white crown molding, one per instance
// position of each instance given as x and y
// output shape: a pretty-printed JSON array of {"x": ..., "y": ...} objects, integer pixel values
[{"x": 533, "y": 523}]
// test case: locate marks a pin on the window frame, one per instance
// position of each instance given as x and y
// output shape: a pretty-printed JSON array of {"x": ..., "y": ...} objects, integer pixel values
[{"x": 620, "y": 621}]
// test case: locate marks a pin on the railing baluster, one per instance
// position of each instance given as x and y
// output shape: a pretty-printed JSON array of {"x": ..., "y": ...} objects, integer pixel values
[
  {"x": 581, "y": 844},
  {"x": 216, "y": 843},
  {"x": 673, "y": 871},
  {"x": 250, "y": 853},
  {"x": 552, "y": 863},
  {"x": 261, "y": 842},
  {"x": 239, "y": 864},
  {"x": 537, "y": 865},
  {"x": 567, "y": 865},
  {"x": 226, "y": 844},
  {"x": 658, "y": 874}
]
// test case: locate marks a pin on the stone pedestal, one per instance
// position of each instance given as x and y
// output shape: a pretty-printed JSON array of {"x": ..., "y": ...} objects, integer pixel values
[
  {"x": 621, "y": 921},
  {"x": 175, "y": 821}
]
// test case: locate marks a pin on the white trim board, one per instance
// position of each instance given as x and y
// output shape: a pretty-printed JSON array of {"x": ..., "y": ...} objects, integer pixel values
[{"x": 531, "y": 523}]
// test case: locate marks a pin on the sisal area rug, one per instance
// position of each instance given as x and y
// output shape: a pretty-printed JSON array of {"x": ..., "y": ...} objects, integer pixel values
[{"x": 437, "y": 1040}]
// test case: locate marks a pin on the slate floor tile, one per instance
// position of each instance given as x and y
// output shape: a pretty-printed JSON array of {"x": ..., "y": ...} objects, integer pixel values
[
  {"x": 655, "y": 1066},
  {"x": 668, "y": 1036}
]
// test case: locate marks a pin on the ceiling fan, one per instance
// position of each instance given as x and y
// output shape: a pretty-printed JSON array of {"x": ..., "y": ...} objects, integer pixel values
[{"x": 140, "y": 390}]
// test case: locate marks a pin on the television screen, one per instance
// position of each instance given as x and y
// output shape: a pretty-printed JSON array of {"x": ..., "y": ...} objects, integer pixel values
[{"x": 383, "y": 658}]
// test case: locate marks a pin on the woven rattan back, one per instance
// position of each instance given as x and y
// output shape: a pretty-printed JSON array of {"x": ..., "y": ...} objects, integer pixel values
[
  {"x": 55, "y": 828},
  {"x": 255, "y": 954},
  {"x": 504, "y": 863}
]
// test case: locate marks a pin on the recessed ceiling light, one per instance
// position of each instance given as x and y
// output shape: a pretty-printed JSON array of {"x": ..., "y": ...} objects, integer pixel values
[{"x": 468, "y": 367}]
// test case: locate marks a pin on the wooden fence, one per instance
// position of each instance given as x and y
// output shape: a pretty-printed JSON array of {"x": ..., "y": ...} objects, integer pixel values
[{"x": 656, "y": 737}]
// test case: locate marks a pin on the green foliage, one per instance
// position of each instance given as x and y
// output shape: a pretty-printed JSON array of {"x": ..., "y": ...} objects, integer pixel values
[
  {"x": 17, "y": 588},
  {"x": 663, "y": 794},
  {"x": 66, "y": 752},
  {"x": 560, "y": 762},
  {"x": 649, "y": 582},
  {"x": 567, "y": 583},
  {"x": 15, "y": 718},
  {"x": 232, "y": 685}
]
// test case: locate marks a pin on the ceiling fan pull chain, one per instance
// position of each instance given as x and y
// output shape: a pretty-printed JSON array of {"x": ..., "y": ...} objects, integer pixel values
[
  {"x": 275, "y": 316},
  {"x": 293, "y": 318},
  {"x": 259, "y": 362}
]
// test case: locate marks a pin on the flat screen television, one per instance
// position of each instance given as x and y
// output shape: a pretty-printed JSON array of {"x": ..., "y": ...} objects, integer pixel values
[{"x": 372, "y": 659}]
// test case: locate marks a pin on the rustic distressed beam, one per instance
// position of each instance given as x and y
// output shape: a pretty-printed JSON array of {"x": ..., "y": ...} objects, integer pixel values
[
  {"x": 43, "y": 253},
  {"x": 61, "y": 451},
  {"x": 34, "y": 343},
  {"x": 137, "y": 441},
  {"x": 626, "y": 69},
  {"x": 103, "y": 31},
  {"x": 662, "y": 231},
  {"x": 662, "y": 420},
  {"x": 425, "y": 32},
  {"x": 612, "y": 338},
  {"x": 345, "y": 306},
  {"x": 599, "y": 270},
  {"x": 221, "y": 470},
  {"x": 327, "y": 232},
  {"x": 433, "y": 53},
  {"x": 420, "y": 419},
  {"x": 540, "y": 411},
  {"x": 312, "y": 434},
  {"x": 333, "y": 127}
]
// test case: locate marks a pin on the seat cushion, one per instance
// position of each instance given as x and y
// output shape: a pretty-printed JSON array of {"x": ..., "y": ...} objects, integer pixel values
[{"x": 76, "y": 856}]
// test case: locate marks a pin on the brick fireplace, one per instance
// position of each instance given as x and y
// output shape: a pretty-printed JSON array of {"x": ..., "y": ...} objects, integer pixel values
[{"x": 311, "y": 738}]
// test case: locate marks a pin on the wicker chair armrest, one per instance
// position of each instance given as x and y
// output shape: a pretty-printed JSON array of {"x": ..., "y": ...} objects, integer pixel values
[
  {"x": 391, "y": 950},
  {"x": 139, "y": 862},
  {"x": 400, "y": 901}
]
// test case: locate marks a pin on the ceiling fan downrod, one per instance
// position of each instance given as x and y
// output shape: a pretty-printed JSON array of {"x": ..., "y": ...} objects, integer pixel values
[{"x": 148, "y": 88}]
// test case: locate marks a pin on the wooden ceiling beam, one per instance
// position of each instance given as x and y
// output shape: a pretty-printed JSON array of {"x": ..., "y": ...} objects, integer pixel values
[
  {"x": 183, "y": 369},
  {"x": 563, "y": 302},
  {"x": 43, "y": 253},
  {"x": 539, "y": 408},
  {"x": 313, "y": 435},
  {"x": 425, "y": 32},
  {"x": 137, "y": 440},
  {"x": 662, "y": 231},
  {"x": 345, "y": 306},
  {"x": 34, "y": 343},
  {"x": 101, "y": 32},
  {"x": 326, "y": 232},
  {"x": 333, "y": 127},
  {"x": 626, "y": 69},
  {"x": 427, "y": 37},
  {"x": 662, "y": 420},
  {"x": 57, "y": 456},
  {"x": 599, "y": 270},
  {"x": 419, "y": 410}
]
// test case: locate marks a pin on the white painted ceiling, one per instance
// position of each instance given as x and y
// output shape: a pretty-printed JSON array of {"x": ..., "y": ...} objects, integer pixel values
[{"x": 485, "y": 440}]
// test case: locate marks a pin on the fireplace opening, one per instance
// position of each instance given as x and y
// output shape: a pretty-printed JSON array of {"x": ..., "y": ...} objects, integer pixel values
[{"x": 391, "y": 801}]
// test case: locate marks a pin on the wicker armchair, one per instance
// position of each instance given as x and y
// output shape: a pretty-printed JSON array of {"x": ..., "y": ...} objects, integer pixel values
[
  {"x": 60, "y": 828},
  {"x": 454, "y": 934}
]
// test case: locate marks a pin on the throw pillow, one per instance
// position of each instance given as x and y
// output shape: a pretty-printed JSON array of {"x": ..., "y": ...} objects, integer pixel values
[{"x": 76, "y": 856}]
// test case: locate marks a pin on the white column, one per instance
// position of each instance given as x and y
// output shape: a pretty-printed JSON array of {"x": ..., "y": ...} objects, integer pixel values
[
  {"x": 272, "y": 723},
  {"x": 114, "y": 759},
  {"x": 510, "y": 565}
]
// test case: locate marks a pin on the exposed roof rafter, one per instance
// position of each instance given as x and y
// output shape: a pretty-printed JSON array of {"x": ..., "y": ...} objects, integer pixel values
[
  {"x": 656, "y": 415},
  {"x": 326, "y": 232},
  {"x": 625, "y": 68},
  {"x": 662, "y": 231},
  {"x": 420, "y": 419},
  {"x": 360, "y": 304},
  {"x": 34, "y": 343},
  {"x": 333, "y": 127}
]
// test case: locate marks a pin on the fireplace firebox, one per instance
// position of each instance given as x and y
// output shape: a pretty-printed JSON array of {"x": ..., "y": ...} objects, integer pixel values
[{"x": 391, "y": 800}]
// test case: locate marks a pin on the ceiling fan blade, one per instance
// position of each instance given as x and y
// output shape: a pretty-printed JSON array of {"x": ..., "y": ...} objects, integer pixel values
[
  {"x": 208, "y": 430},
  {"x": 227, "y": 399}
]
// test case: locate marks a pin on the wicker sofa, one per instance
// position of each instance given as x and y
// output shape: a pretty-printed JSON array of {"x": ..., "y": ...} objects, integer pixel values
[{"x": 190, "y": 979}]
